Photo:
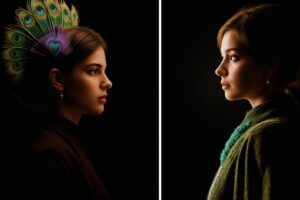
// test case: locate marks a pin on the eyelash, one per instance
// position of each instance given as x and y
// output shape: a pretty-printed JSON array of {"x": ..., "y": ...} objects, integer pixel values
[{"x": 93, "y": 70}]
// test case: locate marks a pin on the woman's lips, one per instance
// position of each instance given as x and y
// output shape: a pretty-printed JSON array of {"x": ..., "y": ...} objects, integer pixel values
[
  {"x": 225, "y": 85},
  {"x": 102, "y": 99}
]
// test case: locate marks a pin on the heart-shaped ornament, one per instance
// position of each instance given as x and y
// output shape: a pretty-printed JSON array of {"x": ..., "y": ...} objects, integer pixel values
[{"x": 55, "y": 46}]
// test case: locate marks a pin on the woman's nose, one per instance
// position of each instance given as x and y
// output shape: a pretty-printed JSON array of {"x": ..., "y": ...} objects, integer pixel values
[
  {"x": 106, "y": 83},
  {"x": 220, "y": 71}
]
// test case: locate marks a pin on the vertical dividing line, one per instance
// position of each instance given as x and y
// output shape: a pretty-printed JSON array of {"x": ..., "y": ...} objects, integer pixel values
[{"x": 160, "y": 100}]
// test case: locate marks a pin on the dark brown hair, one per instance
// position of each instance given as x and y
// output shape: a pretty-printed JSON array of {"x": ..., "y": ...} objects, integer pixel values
[
  {"x": 35, "y": 90},
  {"x": 84, "y": 42}
]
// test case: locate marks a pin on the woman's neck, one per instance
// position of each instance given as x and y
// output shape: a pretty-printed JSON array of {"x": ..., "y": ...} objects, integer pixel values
[
  {"x": 69, "y": 113},
  {"x": 265, "y": 97}
]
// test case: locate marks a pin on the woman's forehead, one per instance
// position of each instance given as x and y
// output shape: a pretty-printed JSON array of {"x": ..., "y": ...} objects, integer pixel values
[
  {"x": 231, "y": 41},
  {"x": 97, "y": 58}
]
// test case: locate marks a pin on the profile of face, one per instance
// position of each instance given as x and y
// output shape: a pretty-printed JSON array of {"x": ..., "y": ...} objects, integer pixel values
[
  {"x": 242, "y": 77},
  {"x": 86, "y": 87}
]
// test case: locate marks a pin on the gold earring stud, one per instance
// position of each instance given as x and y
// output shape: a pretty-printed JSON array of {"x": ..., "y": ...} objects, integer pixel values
[{"x": 61, "y": 95}]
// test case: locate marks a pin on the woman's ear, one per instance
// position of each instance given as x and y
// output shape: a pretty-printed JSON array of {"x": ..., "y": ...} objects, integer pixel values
[
  {"x": 56, "y": 79},
  {"x": 272, "y": 72}
]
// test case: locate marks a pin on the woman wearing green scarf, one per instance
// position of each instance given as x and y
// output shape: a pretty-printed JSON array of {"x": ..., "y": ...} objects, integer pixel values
[{"x": 260, "y": 160}]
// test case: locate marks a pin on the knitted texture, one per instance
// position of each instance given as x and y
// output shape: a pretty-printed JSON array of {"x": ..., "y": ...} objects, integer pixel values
[{"x": 237, "y": 133}]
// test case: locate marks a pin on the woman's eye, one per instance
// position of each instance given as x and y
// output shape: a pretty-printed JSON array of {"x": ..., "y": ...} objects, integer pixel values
[
  {"x": 233, "y": 58},
  {"x": 93, "y": 72}
]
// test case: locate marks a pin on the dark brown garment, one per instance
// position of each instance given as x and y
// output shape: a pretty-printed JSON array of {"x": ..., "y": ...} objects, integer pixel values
[{"x": 59, "y": 168}]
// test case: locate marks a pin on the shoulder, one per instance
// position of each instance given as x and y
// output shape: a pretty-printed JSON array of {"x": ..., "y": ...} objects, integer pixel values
[
  {"x": 271, "y": 140},
  {"x": 49, "y": 138},
  {"x": 50, "y": 172},
  {"x": 270, "y": 128},
  {"x": 49, "y": 146}
]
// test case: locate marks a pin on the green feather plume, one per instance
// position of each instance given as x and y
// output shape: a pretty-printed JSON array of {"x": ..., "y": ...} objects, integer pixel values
[
  {"x": 41, "y": 17},
  {"x": 54, "y": 12},
  {"x": 15, "y": 69},
  {"x": 29, "y": 23},
  {"x": 15, "y": 38},
  {"x": 66, "y": 15},
  {"x": 39, "y": 11},
  {"x": 14, "y": 54},
  {"x": 74, "y": 16}
]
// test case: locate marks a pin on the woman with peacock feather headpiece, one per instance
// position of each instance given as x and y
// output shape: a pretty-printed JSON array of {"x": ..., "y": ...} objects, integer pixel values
[{"x": 58, "y": 67}]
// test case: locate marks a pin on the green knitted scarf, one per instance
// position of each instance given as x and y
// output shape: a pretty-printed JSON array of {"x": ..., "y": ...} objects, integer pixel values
[{"x": 237, "y": 133}]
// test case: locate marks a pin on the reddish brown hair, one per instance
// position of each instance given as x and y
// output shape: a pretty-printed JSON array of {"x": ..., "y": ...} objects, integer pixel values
[{"x": 269, "y": 32}]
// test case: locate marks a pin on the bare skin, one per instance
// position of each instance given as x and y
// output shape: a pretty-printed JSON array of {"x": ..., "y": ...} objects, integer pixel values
[
  {"x": 85, "y": 89},
  {"x": 242, "y": 77}
]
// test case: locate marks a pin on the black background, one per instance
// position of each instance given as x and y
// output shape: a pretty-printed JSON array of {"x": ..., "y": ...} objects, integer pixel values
[
  {"x": 197, "y": 118},
  {"x": 123, "y": 141}
]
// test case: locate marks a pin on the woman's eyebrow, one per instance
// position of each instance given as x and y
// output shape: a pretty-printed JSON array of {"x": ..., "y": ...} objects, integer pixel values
[
  {"x": 233, "y": 49},
  {"x": 94, "y": 64}
]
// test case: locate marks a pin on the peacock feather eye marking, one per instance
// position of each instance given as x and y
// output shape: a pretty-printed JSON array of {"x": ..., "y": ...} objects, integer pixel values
[
  {"x": 17, "y": 38},
  {"x": 66, "y": 14},
  {"x": 18, "y": 66},
  {"x": 28, "y": 19},
  {"x": 75, "y": 16},
  {"x": 53, "y": 8},
  {"x": 14, "y": 53},
  {"x": 40, "y": 11}
]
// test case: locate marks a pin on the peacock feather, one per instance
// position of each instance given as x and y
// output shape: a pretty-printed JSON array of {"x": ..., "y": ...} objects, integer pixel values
[
  {"x": 15, "y": 69},
  {"x": 28, "y": 22},
  {"x": 38, "y": 9},
  {"x": 67, "y": 21},
  {"x": 14, "y": 54},
  {"x": 39, "y": 30},
  {"x": 74, "y": 16},
  {"x": 54, "y": 11},
  {"x": 16, "y": 38}
]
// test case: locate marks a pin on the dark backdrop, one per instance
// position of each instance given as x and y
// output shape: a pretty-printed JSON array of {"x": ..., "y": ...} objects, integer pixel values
[
  {"x": 197, "y": 120},
  {"x": 123, "y": 142}
]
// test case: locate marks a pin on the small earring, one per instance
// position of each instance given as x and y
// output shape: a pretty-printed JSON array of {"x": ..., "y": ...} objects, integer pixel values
[
  {"x": 268, "y": 82},
  {"x": 61, "y": 95}
]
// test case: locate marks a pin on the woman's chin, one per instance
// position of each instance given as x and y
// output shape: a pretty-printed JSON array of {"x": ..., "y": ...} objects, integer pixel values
[
  {"x": 99, "y": 110},
  {"x": 231, "y": 97}
]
